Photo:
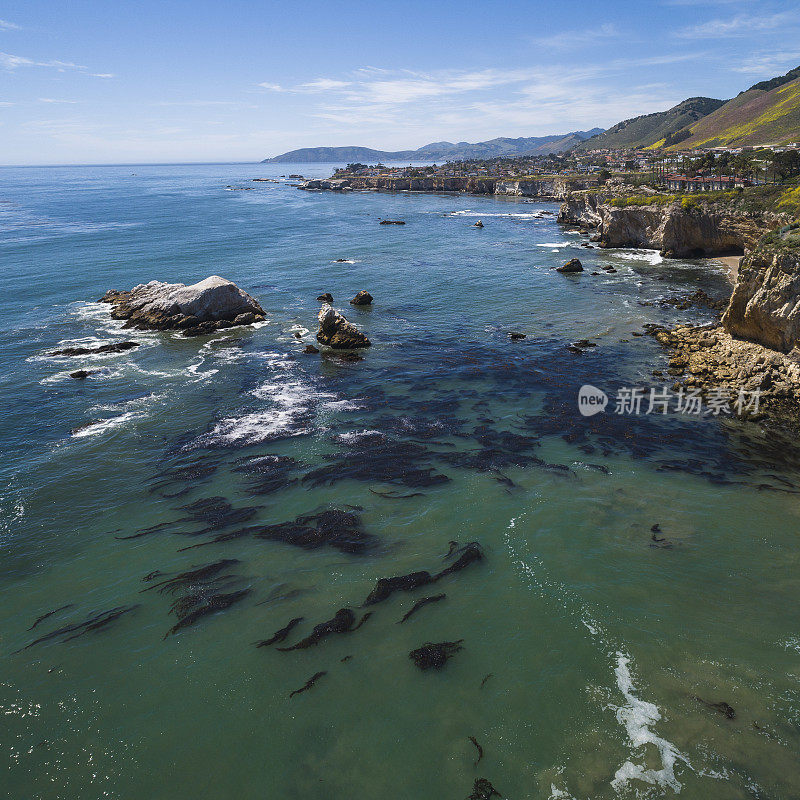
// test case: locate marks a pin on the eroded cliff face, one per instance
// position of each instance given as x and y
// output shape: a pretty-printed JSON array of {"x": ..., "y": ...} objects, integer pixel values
[
  {"x": 545, "y": 188},
  {"x": 703, "y": 230},
  {"x": 765, "y": 305}
]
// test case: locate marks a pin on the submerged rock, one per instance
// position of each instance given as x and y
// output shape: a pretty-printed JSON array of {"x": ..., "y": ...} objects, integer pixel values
[
  {"x": 483, "y": 790},
  {"x": 197, "y": 309},
  {"x": 114, "y": 347},
  {"x": 335, "y": 331},
  {"x": 392, "y": 222},
  {"x": 310, "y": 350},
  {"x": 361, "y": 299},
  {"x": 325, "y": 298},
  {"x": 434, "y": 655}
]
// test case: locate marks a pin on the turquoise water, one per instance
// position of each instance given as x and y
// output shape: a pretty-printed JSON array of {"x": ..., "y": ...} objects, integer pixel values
[{"x": 597, "y": 643}]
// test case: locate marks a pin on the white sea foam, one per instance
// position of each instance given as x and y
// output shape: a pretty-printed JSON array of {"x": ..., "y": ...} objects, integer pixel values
[
  {"x": 635, "y": 715},
  {"x": 652, "y": 257},
  {"x": 290, "y": 412},
  {"x": 105, "y": 425},
  {"x": 351, "y": 437},
  {"x": 553, "y": 244},
  {"x": 466, "y": 212},
  {"x": 792, "y": 643}
]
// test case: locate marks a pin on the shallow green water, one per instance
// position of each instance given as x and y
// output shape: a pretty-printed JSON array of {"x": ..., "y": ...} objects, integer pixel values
[{"x": 597, "y": 642}]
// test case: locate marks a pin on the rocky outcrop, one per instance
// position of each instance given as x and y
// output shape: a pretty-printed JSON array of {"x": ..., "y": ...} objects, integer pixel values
[
  {"x": 573, "y": 265},
  {"x": 708, "y": 358},
  {"x": 197, "y": 309},
  {"x": 336, "y": 332},
  {"x": 677, "y": 230},
  {"x": 765, "y": 305},
  {"x": 363, "y": 298},
  {"x": 114, "y": 347},
  {"x": 558, "y": 188}
]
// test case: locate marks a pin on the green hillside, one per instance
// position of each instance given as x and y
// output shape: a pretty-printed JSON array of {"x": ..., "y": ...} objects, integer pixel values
[
  {"x": 652, "y": 128},
  {"x": 767, "y": 113}
]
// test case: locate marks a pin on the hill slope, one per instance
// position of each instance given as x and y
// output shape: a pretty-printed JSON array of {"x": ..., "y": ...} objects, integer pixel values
[
  {"x": 649, "y": 129},
  {"x": 438, "y": 151},
  {"x": 767, "y": 113}
]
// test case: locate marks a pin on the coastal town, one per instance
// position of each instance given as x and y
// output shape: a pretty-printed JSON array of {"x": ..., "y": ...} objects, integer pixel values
[{"x": 697, "y": 170}]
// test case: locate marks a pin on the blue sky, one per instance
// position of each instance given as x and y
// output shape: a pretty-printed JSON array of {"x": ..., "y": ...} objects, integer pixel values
[{"x": 92, "y": 81}]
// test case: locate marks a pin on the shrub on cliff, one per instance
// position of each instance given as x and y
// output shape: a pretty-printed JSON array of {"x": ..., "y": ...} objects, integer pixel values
[{"x": 790, "y": 201}]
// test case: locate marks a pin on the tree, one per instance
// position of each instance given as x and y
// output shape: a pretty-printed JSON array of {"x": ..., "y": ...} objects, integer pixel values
[{"x": 786, "y": 165}]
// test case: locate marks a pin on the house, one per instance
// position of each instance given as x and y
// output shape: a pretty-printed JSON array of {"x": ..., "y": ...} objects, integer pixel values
[{"x": 702, "y": 183}]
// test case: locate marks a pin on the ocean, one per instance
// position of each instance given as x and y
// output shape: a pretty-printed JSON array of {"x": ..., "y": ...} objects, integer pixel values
[{"x": 630, "y": 628}]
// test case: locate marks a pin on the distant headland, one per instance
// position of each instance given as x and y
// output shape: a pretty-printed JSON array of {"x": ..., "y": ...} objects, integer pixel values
[{"x": 439, "y": 151}]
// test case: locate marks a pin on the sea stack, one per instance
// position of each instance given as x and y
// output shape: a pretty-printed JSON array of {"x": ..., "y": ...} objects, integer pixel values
[
  {"x": 573, "y": 265},
  {"x": 336, "y": 332},
  {"x": 203, "y": 307},
  {"x": 362, "y": 299}
]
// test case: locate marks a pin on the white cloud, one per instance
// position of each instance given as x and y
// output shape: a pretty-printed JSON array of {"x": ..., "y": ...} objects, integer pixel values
[
  {"x": 740, "y": 25},
  {"x": 11, "y": 62},
  {"x": 53, "y": 100},
  {"x": 323, "y": 85},
  {"x": 5, "y": 25},
  {"x": 768, "y": 64},
  {"x": 570, "y": 39},
  {"x": 547, "y": 100},
  {"x": 273, "y": 87}
]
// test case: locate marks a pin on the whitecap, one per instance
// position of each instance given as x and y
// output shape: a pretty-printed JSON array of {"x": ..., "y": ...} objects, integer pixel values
[
  {"x": 637, "y": 716},
  {"x": 105, "y": 425},
  {"x": 351, "y": 437},
  {"x": 487, "y": 214},
  {"x": 652, "y": 257}
]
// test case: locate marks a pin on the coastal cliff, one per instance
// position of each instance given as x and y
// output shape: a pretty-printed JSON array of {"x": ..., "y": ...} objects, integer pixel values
[
  {"x": 765, "y": 305},
  {"x": 554, "y": 188},
  {"x": 682, "y": 228},
  {"x": 754, "y": 348}
]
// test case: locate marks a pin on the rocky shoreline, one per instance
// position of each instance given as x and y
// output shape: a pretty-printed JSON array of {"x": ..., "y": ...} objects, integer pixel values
[
  {"x": 556, "y": 188},
  {"x": 677, "y": 229},
  {"x": 753, "y": 348}
]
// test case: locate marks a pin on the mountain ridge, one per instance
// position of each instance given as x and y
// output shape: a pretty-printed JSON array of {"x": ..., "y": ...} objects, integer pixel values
[
  {"x": 649, "y": 129},
  {"x": 438, "y": 151},
  {"x": 767, "y": 113}
]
